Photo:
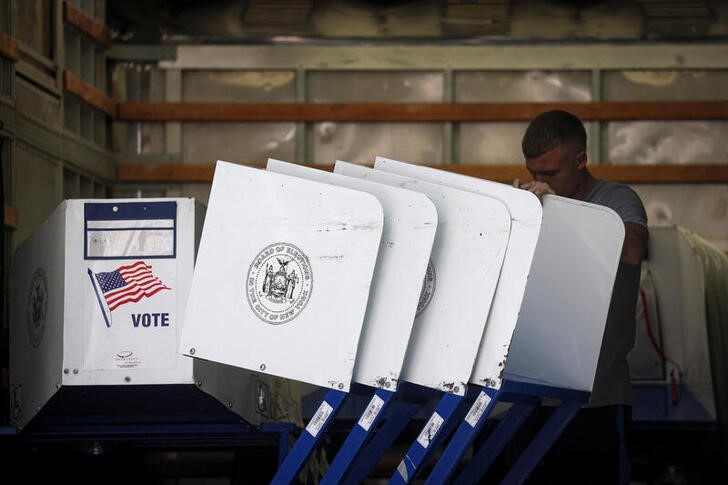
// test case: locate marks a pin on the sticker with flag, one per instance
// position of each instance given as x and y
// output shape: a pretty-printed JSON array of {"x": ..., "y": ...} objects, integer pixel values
[{"x": 127, "y": 284}]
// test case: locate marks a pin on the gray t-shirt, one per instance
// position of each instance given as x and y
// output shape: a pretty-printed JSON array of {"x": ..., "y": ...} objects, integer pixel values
[{"x": 612, "y": 384}]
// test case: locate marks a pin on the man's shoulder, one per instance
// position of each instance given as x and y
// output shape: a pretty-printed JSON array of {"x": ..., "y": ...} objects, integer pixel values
[
  {"x": 619, "y": 197},
  {"x": 607, "y": 189}
]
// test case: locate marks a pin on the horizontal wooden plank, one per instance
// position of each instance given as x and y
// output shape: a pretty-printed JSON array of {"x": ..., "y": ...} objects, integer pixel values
[
  {"x": 631, "y": 174},
  {"x": 9, "y": 48},
  {"x": 419, "y": 112},
  {"x": 88, "y": 93},
  {"x": 10, "y": 217},
  {"x": 89, "y": 26}
]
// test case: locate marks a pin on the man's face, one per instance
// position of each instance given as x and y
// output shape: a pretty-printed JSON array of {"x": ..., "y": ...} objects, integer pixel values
[{"x": 559, "y": 167}]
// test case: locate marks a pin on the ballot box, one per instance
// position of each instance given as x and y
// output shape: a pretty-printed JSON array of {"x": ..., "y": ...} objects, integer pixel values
[
  {"x": 98, "y": 295},
  {"x": 283, "y": 276}
]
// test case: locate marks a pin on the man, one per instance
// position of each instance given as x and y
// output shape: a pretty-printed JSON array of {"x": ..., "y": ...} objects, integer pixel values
[{"x": 593, "y": 448}]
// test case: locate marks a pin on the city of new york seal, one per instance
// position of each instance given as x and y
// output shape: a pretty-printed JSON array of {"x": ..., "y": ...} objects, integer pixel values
[
  {"x": 279, "y": 283},
  {"x": 36, "y": 307}
]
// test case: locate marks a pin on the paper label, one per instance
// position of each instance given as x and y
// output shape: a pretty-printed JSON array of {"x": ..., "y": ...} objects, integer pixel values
[
  {"x": 477, "y": 409},
  {"x": 430, "y": 430},
  {"x": 319, "y": 419},
  {"x": 371, "y": 413}
]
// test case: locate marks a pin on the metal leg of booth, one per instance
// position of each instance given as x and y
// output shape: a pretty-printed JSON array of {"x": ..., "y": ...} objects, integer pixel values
[
  {"x": 468, "y": 429},
  {"x": 359, "y": 434},
  {"x": 425, "y": 444},
  {"x": 284, "y": 430},
  {"x": 310, "y": 437},
  {"x": 541, "y": 443},
  {"x": 484, "y": 457},
  {"x": 382, "y": 440}
]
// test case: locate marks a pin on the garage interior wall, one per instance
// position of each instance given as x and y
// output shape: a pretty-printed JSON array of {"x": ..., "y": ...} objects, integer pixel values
[{"x": 66, "y": 65}]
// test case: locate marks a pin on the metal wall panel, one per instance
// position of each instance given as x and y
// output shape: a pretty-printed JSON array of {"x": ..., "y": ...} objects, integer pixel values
[
  {"x": 651, "y": 142},
  {"x": 238, "y": 86},
  {"x": 238, "y": 142},
  {"x": 702, "y": 208},
  {"x": 34, "y": 25},
  {"x": 500, "y": 142},
  {"x": 488, "y": 143},
  {"x": 39, "y": 188},
  {"x": 37, "y": 103},
  {"x": 374, "y": 86},
  {"x": 362, "y": 142},
  {"x": 659, "y": 85},
  {"x": 522, "y": 86},
  {"x": 145, "y": 138}
]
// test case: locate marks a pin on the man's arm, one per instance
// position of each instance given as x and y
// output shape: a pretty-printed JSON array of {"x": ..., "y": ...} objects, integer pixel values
[{"x": 635, "y": 243}]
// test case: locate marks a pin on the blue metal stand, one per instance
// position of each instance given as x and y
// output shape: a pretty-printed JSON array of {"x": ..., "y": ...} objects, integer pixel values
[
  {"x": 486, "y": 455},
  {"x": 525, "y": 397},
  {"x": 542, "y": 442},
  {"x": 467, "y": 431},
  {"x": 358, "y": 435},
  {"x": 310, "y": 437},
  {"x": 403, "y": 412},
  {"x": 417, "y": 455}
]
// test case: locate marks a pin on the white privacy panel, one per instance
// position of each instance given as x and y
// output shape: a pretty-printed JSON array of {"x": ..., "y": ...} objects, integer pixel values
[
  {"x": 526, "y": 214},
  {"x": 282, "y": 276},
  {"x": 559, "y": 331},
  {"x": 410, "y": 221},
  {"x": 470, "y": 243}
]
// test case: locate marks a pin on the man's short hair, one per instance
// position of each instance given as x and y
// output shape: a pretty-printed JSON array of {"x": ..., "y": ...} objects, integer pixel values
[{"x": 551, "y": 129}]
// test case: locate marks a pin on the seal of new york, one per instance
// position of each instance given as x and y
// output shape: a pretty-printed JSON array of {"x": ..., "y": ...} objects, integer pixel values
[{"x": 279, "y": 283}]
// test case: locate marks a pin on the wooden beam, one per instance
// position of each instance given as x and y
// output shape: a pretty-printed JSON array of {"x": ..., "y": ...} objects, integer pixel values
[
  {"x": 630, "y": 174},
  {"x": 10, "y": 217},
  {"x": 419, "y": 112},
  {"x": 89, "y": 26},
  {"x": 88, "y": 93},
  {"x": 9, "y": 47}
]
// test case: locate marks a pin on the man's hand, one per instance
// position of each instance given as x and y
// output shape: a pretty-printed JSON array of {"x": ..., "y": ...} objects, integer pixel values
[{"x": 538, "y": 188}]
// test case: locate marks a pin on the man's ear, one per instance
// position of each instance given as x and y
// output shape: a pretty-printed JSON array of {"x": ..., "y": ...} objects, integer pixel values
[{"x": 581, "y": 160}]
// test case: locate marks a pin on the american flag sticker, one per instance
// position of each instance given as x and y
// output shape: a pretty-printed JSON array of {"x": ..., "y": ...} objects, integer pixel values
[{"x": 126, "y": 284}]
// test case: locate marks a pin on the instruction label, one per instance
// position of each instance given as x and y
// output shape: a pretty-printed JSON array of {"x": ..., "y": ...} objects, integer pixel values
[
  {"x": 371, "y": 413},
  {"x": 319, "y": 419},
  {"x": 430, "y": 430},
  {"x": 477, "y": 409}
]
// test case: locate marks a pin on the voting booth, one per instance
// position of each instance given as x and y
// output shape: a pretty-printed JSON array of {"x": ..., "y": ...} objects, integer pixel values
[
  {"x": 283, "y": 273},
  {"x": 98, "y": 296}
]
